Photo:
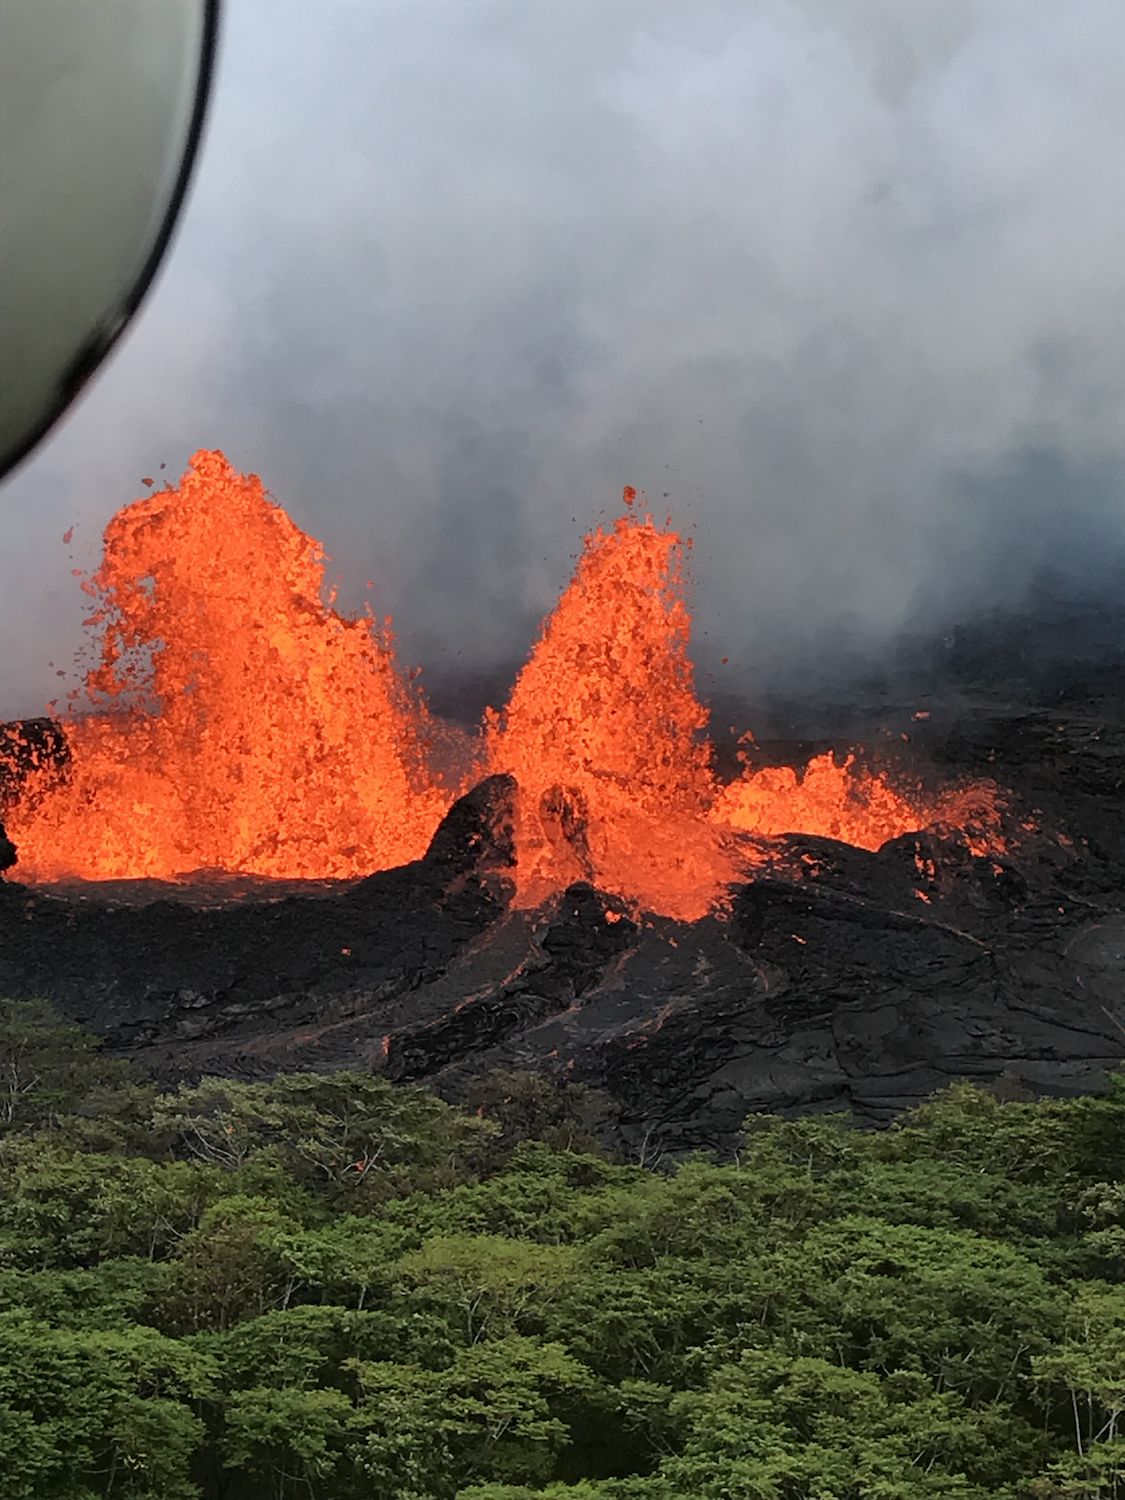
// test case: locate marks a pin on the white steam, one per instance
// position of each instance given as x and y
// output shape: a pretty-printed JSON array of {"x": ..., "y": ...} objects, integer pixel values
[{"x": 843, "y": 277}]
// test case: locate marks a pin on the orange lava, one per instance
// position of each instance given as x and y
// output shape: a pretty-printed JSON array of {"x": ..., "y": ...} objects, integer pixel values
[
  {"x": 832, "y": 801},
  {"x": 605, "y": 735},
  {"x": 244, "y": 724},
  {"x": 854, "y": 805}
]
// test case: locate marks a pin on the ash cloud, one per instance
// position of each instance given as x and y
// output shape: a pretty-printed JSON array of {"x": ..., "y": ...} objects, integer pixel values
[{"x": 842, "y": 278}]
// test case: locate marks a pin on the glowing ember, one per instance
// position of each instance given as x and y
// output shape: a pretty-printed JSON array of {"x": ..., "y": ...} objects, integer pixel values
[
  {"x": 243, "y": 724},
  {"x": 247, "y": 725},
  {"x": 604, "y": 734}
]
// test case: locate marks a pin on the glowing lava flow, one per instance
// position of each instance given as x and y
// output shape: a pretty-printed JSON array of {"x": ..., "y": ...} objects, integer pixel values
[{"x": 247, "y": 726}]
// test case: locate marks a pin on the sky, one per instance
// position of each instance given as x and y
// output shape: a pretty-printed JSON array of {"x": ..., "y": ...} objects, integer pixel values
[{"x": 838, "y": 283}]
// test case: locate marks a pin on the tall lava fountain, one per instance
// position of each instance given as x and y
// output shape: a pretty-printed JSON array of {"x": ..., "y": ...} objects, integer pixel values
[{"x": 243, "y": 724}]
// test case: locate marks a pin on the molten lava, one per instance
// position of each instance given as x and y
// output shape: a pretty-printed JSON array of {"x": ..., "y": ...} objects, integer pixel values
[
  {"x": 856, "y": 806},
  {"x": 243, "y": 724},
  {"x": 833, "y": 801},
  {"x": 605, "y": 735}
]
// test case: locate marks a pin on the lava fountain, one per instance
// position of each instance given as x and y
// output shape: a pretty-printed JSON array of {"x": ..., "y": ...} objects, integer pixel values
[
  {"x": 605, "y": 734},
  {"x": 846, "y": 801},
  {"x": 241, "y": 723}
]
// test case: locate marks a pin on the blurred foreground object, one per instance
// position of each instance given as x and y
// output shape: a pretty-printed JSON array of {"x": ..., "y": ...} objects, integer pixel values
[{"x": 101, "y": 111}]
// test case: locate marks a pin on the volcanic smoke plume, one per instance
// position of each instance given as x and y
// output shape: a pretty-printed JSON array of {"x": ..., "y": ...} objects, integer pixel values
[{"x": 240, "y": 722}]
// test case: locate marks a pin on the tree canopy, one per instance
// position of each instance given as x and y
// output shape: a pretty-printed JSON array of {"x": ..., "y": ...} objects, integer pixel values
[{"x": 326, "y": 1286}]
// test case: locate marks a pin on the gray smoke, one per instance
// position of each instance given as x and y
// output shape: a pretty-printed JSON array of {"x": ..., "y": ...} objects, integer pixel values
[{"x": 842, "y": 278}]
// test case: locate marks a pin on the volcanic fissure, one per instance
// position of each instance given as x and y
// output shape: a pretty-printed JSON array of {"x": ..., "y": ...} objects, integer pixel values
[{"x": 249, "y": 843}]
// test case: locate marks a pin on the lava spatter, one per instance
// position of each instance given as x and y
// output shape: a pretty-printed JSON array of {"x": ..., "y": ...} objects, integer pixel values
[{"x": 830, "y": 800}]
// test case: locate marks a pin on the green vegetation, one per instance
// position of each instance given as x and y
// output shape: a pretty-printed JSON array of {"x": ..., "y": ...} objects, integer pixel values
[{"x": 326, "y": 1287}]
